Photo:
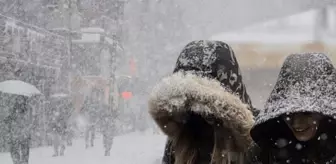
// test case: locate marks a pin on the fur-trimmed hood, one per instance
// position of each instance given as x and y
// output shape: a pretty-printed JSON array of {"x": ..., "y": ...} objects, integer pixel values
[{"x": 181, "y": 93}]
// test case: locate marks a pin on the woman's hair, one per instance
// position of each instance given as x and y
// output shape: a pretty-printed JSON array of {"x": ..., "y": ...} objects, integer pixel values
[
  {"x": 199, "y": 141},
  {"x": 193, "y": 138}
]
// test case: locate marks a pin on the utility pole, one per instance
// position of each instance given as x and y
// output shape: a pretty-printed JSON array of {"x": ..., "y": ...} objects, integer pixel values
[
  {"x": 113, "y": 16},
  {"x": 118, "y": 36},
  {"x": 69, "y": 67}
]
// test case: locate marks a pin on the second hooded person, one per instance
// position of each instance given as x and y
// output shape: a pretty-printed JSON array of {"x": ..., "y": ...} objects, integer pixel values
[{"x": 296, "y": 125}]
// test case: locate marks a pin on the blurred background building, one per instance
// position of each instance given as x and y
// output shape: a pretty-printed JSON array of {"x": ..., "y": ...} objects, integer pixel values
[{"x": 120, "y": 46}]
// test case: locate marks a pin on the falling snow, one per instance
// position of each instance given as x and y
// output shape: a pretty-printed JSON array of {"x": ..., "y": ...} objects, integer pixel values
[
  {"x": 84, "y": 70},
  {"x": 298, "y": 146}
]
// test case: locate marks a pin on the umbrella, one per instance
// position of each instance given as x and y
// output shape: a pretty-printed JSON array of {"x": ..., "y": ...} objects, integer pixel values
[{"x": 18, "y": 87}]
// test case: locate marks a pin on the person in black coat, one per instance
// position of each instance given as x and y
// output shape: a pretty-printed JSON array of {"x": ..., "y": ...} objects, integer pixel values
[
  {"x": 298, "y": 121},
  {"x": 19, "y": 125},
  {"x": 90, "y": 110},
  {"x": 61, "y": 113},
  {"x": 70, "y": 122},
  {"x": 108, "y": 127},
  {"x": 203, "y": 107}
]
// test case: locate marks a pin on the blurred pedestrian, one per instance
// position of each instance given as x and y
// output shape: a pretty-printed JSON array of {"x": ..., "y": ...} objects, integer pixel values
[{"x": 19, "y": 127}]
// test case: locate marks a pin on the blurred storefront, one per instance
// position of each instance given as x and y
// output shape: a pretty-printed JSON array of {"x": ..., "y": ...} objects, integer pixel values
[
  {"x": 33, "y": 55},
  {"x": 262, "y": 48}
]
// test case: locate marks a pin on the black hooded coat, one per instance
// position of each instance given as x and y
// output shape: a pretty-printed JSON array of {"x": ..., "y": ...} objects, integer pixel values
[
  {"x": 61, "y": 113},
  {"x": 204, "y": 98},
  {"x": 306, "y": 83},
  {"x": 19, "y": 121}
]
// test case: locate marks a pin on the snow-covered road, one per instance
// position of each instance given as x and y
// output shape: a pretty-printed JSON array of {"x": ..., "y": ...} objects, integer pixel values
[{"x": 133, "y": 148}]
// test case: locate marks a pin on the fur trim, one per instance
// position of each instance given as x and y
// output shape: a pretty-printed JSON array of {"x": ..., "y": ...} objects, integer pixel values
[{"x": 179, "y": 94}]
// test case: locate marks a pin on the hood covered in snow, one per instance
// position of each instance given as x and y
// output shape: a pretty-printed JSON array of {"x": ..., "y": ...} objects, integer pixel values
[
  {"x": 306, "y": 83},
  {"x": 216, "y": 60}
]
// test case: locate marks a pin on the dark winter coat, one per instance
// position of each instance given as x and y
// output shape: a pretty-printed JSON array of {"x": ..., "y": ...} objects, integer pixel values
[
  {"x": 61, "y": 113},
  {"x": 200, "y": 107},
  {"x": 19, "y": 121},
  {"x": 306, "y": 83},
  {"x": 108, "y": 118},
  {"x": 91, "y": 110}
]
